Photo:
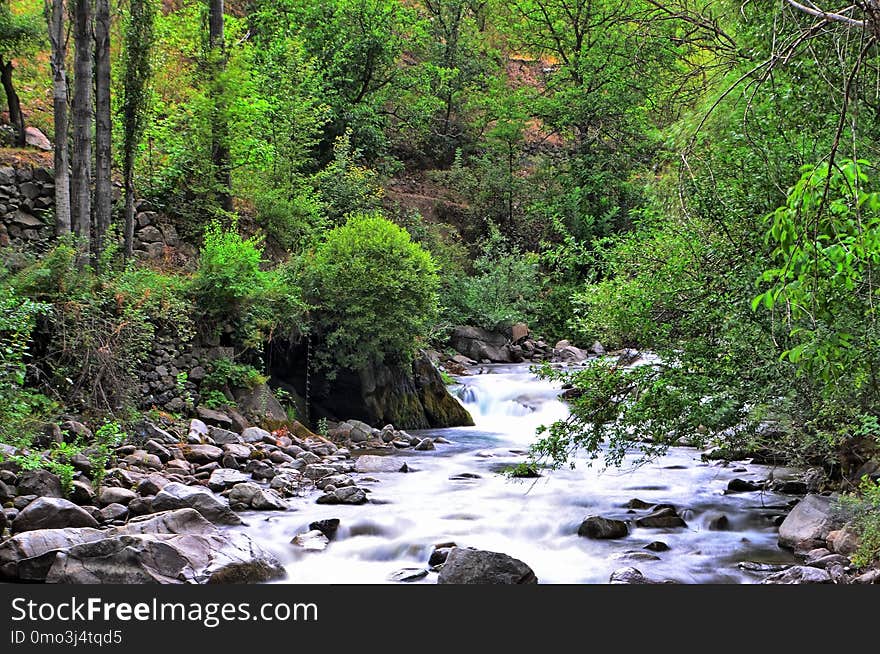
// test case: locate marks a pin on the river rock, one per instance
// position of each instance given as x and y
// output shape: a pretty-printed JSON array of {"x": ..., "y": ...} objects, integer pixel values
[
  {"x": 843, "y": 541},
  {"x": 408, "y": 574},
  {"x": 425, "y": 444},
  {"x": 657, "y": 546},
  {"x": 222, "y": 436},
  {"x": 152, "y": 484},
  {"x": 224, "y": 478},
  {"x": 212, "y": 417},
  {"x": 809, "y": 523},
  {"x": 198, "y": 431},
  {"x": 630, "y": 575},
  {"x": 255, "y": 435},
  {"x": 29, "y": 555},
  {"x": 51, "y": 513},
  {"x": 636, "y": 503},
  {"x": 166, "y": 558},
  {"x": 662, "y": 518},
  {"x": 743, "y": 486},
  {"x": 480, "y": 344},
  {"x": 376, "y": 463},
  {"x": 602, "y": 528},
  {"x": 111, "y": 495},
  {"x": 328, "y": 526},
  {"x": 472, "y": 566},
  {"x": 202, "y": 453},
  {"x": 249, "y": 495},
  {"x": 312, "y": 541},
  {"x": 179, "y": 496},
  {"x": 113, "y": 512},
  {"x": 41, "y": 483},
  {"x": 347, "y": 495},
  {"x": 81, "y": 492},
  {"x": 799, "y": 574}
]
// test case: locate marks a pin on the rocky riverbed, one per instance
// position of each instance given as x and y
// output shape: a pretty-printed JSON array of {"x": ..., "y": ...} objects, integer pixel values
[{"x": 206, "y": 501}]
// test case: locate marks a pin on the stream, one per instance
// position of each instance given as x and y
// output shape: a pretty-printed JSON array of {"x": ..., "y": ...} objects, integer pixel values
[{"x": 535, "y": 520}]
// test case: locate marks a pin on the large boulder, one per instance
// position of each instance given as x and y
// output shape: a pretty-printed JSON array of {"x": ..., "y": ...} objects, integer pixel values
[
  {"x": 166, "y": 558},
  {"x": 472, "y": 566},
  {"x": 377, "y": 463},
  {"x": 799, "y": 574},
  {"x": 441, "y": 408},
  {"x": 259, "y": 404},
  {"x": 29, "y": 555},
  {"x": 809, "y": 523},
  {"x": 601, "y": 528},
  {"x": 631, "y": 576},
  {"x": 41, "y": 483},
  {"x": 480, "y": 344},
  {"x": 175, "y": 495},
  {"x": 51, "y": 513}
]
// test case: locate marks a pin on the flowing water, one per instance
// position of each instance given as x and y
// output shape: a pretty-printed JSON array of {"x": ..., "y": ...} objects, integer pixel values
[{"x": 533, "y": 520}]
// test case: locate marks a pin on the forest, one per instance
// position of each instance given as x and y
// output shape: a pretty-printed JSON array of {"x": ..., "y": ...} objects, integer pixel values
[{"x": 325, "y": 190}]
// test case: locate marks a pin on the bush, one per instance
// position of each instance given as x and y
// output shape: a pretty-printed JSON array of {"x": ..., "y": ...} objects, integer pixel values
[
  {"x": 233, "y": 289},
  {"x": 374, "y": 291},
  {"x": 863, "y": 511},
  {"x": 293, "y": 222},
  {"x": 504, "y": 289}
]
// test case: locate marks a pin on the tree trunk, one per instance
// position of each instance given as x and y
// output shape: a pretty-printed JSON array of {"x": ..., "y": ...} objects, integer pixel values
[
  {"x": 82, "y": 121},
  {"x": 103, "y": 189},
  {"x": 14, "y": 104},
  {"x": 220, "y": 133},
  {"x": 58, "y": 42},
  {"x": 129, "y": 210}
]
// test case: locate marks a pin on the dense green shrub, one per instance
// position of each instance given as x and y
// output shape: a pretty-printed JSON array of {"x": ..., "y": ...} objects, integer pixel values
[
  {"x": 373, "y": 289},
  {"x": 503, "y": 289},
  {"x": 862, "y": 509}
]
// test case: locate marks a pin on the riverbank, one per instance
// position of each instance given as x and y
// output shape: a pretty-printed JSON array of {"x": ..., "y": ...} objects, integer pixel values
[{"x": 388, "y": 506}]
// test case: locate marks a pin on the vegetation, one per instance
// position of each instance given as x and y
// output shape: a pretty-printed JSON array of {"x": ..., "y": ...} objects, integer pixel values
[{"x": 694, "y": 179}]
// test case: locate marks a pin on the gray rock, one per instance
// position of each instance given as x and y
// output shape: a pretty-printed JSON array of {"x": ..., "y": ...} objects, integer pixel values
[
  {"x": 142, "y": 459},
  {"x": 799, "y": 574},
  {"x": 843, "y": 541},
  {"x": 113, "y": 512},
  {"x": 198, "y": 430},
  {"x": 662, "y": 518},
  {"x": 166, "y": 558},
  {"x": 152, "y": 484},
  {"x": 630, "y": 575},
  {"x": 809, "y": 523},
  {"x": 241, "y": 452},
  {"x": 224, "y": 478},
  {"x": 259, "y": 403},
  {"x": 601, "y": 528},
  {"x": 41, "y": 483},
  {"x": 308, "y": 458},
  {"x": 376, "y": 463},
  {"x": 311, "y": 541},
  {"x": 408, "y": 574},
  {"x": 260, "y": 499},
  {"x": 116, "y": 496},
  {"x": 316, "y": 472},
  {"x": 202, "y": 453},
  {"x": 223, "y": 436},
  {"x": 260, "y": 469},
  {"x": 350, "y": 495},
  {"x": 327, "y": 526},
  {"x": 255, "y": 435},
  {"x": 425, "y": 444},
  {"x": 743, "y": 486},
  {"x": 472, "y": 566},
  {"x": 178, "y": 496},
  {"x": 51, "y": 513},
  {"x": 29, "y": 555},
  {"x": 212, "y": 417}
]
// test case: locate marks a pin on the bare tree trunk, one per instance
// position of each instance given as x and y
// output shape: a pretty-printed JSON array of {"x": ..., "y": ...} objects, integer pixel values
[
  {"x": 103, "y": 189},
  {"x": 129, "y": 210},
  {"x": 14, "y": 104},
  {"x": 220, "y": 144},
  {"x": 58, "y": 41},
  {"x": 82, "y": 121}
]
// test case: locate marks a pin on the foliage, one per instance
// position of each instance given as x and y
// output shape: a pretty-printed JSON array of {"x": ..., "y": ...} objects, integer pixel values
[
  {"x": 373, "y": 289},
  {"x": 862, "y": 509},
  {"x": 227, "y": 374},
  {"x": 503, "y": 289}
]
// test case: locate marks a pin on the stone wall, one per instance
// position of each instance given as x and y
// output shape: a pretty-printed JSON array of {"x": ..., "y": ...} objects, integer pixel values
[
  {"x": 27, "y": 201},
  {"x": 27, "y": 196}
]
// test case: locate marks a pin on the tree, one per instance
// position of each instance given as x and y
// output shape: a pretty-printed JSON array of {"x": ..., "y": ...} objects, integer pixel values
[
  {"x": 220, "y": 129},
  {"x": 373, "y": 289},
  {"x": 55, "y": 11},
  {"x": 18, "y": 34},
  {"x": 103, "y": 125},
  {"x": 136, "y": 72},
  {"x": 82, "y": 122}
]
